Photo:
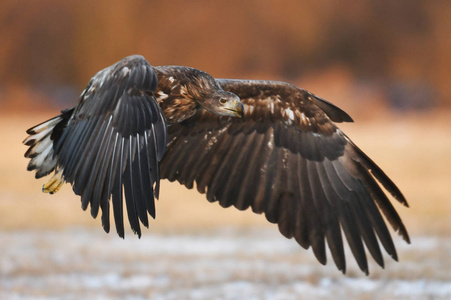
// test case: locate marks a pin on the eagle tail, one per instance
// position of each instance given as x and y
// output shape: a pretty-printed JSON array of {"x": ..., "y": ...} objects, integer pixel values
[{"x": 41, "y": 140}]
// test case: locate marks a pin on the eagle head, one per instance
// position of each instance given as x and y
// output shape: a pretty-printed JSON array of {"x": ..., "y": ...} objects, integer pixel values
[
  {"x": 210, "y": 96},
  {"x": 223, "y": 103}
]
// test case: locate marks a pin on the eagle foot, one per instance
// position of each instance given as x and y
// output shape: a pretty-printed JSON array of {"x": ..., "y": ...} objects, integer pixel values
[{"x": 54, "y": 184}]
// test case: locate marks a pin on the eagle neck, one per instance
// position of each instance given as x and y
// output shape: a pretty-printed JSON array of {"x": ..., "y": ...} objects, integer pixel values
[{"x": 173, "y": 96}]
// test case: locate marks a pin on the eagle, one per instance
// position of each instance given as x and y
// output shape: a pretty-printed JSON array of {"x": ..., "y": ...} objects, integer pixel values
[{"x": 265, "y": 145}]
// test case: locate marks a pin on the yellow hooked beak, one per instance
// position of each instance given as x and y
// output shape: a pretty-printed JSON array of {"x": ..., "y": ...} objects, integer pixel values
[
  {"x": 236, "y": 109},
  {"x": 239, "y": 109}
]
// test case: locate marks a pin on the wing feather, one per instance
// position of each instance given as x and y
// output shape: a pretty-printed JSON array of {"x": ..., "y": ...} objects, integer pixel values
[
  {"x": 330, "y": 219},
  {"x": 116, "y": 194},
  {"x": 73, "y": 146},
  {"x": 271, "y": 208},
  {"x": 315, "y": 215},
  {"x": 150, "y": 172},
  {"x": 210, "y": 159},
  {"x": 96, "y": 170},
  {"x": 219, "y": 174},
  {"x": 250, "y": 177},
  {"x": 231, "y": 183},
  {"x": 107, "y": 189},
  {"x": 128, "y": 187},
  {"x": 91, "y": 166},
  {"x": 302, "y": 226},
  {"x": 101, "y": 182},
  {"x": 85, "y": 158},
  {"x": 138, "y": 183}
]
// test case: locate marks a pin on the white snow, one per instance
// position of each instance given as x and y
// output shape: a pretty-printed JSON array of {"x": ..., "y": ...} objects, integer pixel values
[{"x": 85, "y": 263}]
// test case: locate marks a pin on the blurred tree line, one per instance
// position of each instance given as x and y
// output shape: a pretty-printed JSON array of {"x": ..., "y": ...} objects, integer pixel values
[{"x": 49, "y": 43}]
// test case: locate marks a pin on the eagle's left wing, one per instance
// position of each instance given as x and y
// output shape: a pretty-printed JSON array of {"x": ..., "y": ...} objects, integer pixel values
[
  {"x": 108, "y": 146},
  {"x": 288, "y": 160}
]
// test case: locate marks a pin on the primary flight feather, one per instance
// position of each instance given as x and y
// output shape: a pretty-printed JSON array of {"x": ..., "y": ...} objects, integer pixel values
[{"x": 266, "y": 145}]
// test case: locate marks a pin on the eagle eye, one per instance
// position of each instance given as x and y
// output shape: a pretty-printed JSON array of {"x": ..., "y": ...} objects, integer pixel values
[{"x": 222, "y": 101}]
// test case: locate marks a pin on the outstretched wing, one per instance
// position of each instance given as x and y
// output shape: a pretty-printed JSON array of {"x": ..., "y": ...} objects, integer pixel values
[
  {"x": 288, "y": 160},
  {"x": 113, "y": 142}
]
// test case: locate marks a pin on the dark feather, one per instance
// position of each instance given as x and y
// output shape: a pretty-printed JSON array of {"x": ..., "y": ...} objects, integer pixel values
[
  {"x": 117, "y": 188},
  {"x": 101, "y": 180}
]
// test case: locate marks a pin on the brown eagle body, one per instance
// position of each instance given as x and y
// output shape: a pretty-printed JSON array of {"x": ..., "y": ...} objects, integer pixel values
[{"x": 262, "y": 144}]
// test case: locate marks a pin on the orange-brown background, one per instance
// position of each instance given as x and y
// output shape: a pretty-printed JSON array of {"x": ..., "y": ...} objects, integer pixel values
[{"x": 385, "y": 62}]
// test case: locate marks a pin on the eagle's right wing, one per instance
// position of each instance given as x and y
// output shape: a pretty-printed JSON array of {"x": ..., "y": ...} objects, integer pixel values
[{"x": 288, "y": 160}]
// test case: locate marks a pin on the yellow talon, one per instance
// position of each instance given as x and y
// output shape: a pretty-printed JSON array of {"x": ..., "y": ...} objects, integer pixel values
[{"x": 54, "y": 184}]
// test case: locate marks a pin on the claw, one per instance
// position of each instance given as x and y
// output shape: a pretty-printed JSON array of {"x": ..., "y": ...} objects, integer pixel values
[{"x": 54, "y": 184}]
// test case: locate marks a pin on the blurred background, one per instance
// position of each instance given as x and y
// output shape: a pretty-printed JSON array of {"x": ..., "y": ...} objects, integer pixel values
[
  {"x": 396, "y": 52},
  {"x": 387, "y": 63}
]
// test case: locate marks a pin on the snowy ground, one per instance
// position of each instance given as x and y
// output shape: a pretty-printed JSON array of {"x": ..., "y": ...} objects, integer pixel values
[{"x": 85, "y": 263}]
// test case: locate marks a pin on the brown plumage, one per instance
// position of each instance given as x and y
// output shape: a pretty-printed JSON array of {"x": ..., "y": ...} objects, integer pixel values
[{"x": 266, "y": 145}]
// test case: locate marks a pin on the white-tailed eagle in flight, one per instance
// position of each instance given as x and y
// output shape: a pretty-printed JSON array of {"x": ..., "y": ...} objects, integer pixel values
[{"x": 267, "y": 145}]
